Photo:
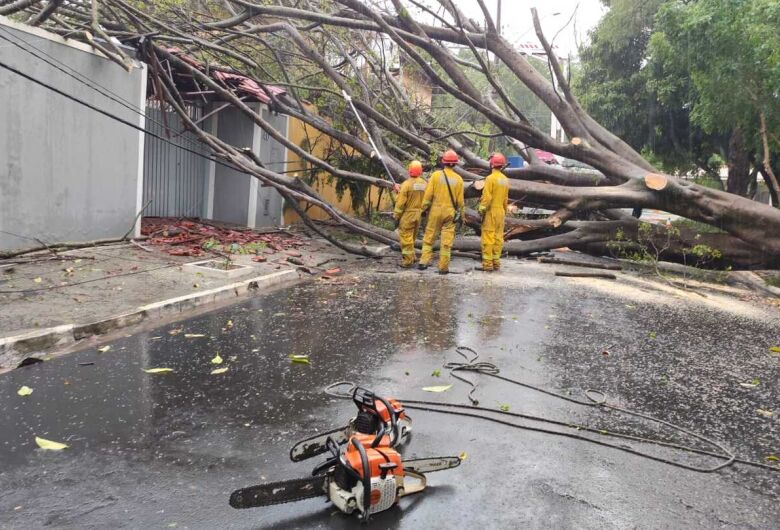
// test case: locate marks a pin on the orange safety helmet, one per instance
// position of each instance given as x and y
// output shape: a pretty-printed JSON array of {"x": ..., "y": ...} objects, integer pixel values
[
  {"x": 450, "y": 157},
  {"x": 497, "y": 160},
  {"x": 415, "y": 168}
]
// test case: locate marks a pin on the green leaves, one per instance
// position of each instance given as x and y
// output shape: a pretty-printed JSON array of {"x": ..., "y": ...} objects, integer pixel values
[
  {"x": 441, "y": 388},
  {"x": 24, "y": 391},
  {"x": 50, "y": 445}
]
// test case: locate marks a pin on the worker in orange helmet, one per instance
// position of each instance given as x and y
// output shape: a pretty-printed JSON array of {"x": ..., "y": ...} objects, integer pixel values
[
  {"x": 444, "y": 196},
  {"x": 407, "y": 212},
  {"x": 492, "y": 207}
]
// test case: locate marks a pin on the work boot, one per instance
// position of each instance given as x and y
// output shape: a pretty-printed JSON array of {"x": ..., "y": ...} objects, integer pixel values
[
  {"x": 406, "y": 265},
  {"x": 444, "y": 271},
  {"x": 422, "y": 266},
  {"x": 485, "y": 267},
  {"x": 496, "y": 266}
]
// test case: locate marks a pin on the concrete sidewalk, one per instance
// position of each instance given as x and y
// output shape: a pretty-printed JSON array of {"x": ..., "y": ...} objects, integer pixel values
[{"x": 52, "y": 303}]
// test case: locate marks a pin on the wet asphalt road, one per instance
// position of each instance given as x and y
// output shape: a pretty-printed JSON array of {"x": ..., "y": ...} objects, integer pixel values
[{"x": 165, "y": 450}]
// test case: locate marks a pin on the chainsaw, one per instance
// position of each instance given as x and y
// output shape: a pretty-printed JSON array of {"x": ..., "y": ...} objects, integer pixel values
[
  {"x": 375, "y": 413},
  {"x": 366, "y": 475}
]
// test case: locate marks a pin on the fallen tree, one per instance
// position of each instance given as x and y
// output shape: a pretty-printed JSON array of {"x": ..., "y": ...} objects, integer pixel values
[{"x": 320, "y": 50}]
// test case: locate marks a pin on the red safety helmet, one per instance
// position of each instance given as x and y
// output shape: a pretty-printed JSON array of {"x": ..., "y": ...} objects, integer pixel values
[
  {"x": 450, "y": 157},
  {"x": 415, "y": 168},
  {"x": 497, "y": 160}
]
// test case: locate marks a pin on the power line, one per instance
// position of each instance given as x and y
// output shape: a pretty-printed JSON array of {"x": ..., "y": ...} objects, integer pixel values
[
  {"x": 116, "y": 118},
  {"x": 90, "y": 83}
]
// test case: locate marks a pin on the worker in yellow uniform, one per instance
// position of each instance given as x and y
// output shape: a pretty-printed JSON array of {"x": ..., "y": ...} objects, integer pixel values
[
  {"x": 407, "y": 212},
  {"x": 492, "y": 208},
  {"x": 444, "y": 196}
]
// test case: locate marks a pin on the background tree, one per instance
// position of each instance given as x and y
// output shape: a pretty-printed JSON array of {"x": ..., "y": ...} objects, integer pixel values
[{"x": 680, "y": 81}]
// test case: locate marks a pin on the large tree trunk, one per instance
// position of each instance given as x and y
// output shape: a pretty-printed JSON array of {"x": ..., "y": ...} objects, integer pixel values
[{"x": 738, "y": 164}]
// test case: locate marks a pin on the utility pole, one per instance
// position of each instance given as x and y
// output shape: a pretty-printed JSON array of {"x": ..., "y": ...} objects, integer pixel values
[{"x": 498, "y": 16}]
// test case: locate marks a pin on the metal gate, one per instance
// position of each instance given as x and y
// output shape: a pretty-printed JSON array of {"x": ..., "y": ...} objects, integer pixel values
[{"x": 175, "y": 180}]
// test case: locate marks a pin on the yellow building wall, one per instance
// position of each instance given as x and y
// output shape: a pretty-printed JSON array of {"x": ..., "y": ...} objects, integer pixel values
[{"x": 305, "y": 135}]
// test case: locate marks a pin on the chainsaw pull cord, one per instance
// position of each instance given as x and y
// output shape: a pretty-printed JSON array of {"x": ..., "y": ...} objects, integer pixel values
[{"x": 595, "y": 398}]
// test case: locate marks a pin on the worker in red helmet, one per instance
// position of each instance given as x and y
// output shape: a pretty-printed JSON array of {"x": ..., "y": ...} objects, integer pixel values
[
  {"x": 444, "y": 196},
  {"x": 492, "y": 207},
  {"x": 408, "y": 211}
]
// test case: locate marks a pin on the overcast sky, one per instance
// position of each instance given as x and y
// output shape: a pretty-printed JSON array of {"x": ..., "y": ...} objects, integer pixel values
[{"x": 517, "y": 26}]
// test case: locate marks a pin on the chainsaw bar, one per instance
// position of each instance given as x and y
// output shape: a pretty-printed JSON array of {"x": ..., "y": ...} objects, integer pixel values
[
  {"x": 305, "y": 488},
  {"x": 431, "y": 464},
  {"x": 280, "y": 492},
  {"x": 317, "y": 445}
]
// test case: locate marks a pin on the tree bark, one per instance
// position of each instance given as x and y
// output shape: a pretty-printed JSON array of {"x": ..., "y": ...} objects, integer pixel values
[{"x": 738, "y": 164}]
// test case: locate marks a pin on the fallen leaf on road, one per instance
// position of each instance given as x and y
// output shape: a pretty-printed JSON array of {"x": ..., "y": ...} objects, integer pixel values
[
  {"x": 301, "y": 359},
  {"x": 463, "y": 456},
  {"x": 753, "y": 384},
  {"x": 222, "y": 370},
  {"x": 48, "y": 444},
  {"x": 104, "y": 349},
  {"x": 158, "y": 370},
  {"x": 193, "y": 335},
  {"x": 25, "y": 391},
  {"x": 775, "y": 349},
  {"x": 766, "y": 413},
  {"x": 38, "y": 279},
  {"x": 175, "y": 331},
  {"x": 503, "y": 407},
  {"x": 436, "y": 373},
  {"x": 216, "y": 360},
  {"x": 772, "y": 458},
  {"x": 229, "y": 324},
  {"x": 442, "y": 388}
]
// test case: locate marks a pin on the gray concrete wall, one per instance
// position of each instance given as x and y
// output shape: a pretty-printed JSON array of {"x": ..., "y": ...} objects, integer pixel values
[{"x": 67, "y": 173}]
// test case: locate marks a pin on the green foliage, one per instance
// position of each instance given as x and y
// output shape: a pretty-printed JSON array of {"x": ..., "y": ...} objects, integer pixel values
[{"x": 674, "y": 78}]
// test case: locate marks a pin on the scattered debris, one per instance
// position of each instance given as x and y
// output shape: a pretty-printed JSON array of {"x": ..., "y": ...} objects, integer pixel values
[
  {"x": 300, "y": 359},
  {"x": 606, "y": 275},
  {"x": 441, "y": 388},
  {"x": 216, "y": 360},
  {"x": 104, "y": 349},
  {"x": 217, "y": 371},
  {"x": 193, "y": 335},
  {"x": 49, "y": 445},
  {"x": 557, "y": 261},
  {"x": 765, "y": 413},
  {"x": 158, "y": 370},
  {"x": 24, "y": 391},
  {"x": 182, "y": 237}
]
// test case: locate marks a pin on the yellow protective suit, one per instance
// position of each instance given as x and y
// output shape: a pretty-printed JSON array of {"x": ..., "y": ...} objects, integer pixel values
[
  {"x": 407, "y": 211},
  {"x": 492, "y": 206},
  {"x": 442, "y": 215}
]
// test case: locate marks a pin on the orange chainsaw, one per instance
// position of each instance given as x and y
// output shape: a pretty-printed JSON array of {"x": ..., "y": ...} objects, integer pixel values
[
  {"x": 375, "y": 414},
  {"x": 366, "y": 475}
]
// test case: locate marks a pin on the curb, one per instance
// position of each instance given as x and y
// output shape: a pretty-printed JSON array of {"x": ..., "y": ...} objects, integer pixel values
[{"x": 13, "y": 349}]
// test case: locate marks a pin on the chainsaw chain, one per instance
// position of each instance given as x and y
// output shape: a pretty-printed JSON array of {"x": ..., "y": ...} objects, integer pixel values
[{"x": 317, "y": 491}]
